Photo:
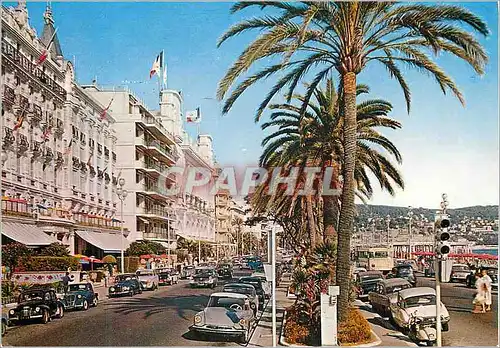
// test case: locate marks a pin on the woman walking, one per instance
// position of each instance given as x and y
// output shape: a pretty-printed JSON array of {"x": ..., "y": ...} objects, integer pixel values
[
  {"x": 487, "y": 287},
  {"x": 480, "y": 298}
]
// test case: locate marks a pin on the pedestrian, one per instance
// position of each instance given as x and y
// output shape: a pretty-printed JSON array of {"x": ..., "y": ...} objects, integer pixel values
[
  {"x": 487, "y": 287},
  {"x": 480, "y": 298},
  {"x": 66, "y": 279}
]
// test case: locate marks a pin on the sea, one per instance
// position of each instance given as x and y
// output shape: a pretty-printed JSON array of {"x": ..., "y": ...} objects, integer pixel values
[{"x": 491, "y": 251}]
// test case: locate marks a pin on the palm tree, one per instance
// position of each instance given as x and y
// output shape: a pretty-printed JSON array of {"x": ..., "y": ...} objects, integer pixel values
[
  {"x": 345, "y": 37},
  {"x": 315, "y": 138}
]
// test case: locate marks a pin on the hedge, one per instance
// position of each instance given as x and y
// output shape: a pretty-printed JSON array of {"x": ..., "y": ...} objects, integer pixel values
[
  {"x": 47, "y": 263},
  {"x": 131, "y": 263},
  {"x": 354, "y": 330}
]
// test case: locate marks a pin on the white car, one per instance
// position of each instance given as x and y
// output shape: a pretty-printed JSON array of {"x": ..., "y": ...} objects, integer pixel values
[
  {"x": 267, "y": 286},
  {"x": 459, "y": 273},
  {"x": 148, "y": 278},
  {"x": 421, "y": 302}
]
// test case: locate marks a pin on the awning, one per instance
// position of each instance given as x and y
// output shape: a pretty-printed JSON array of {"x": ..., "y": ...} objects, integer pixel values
[
  {"x": 27, "y": 234},
  {"x": 108, "y": 242}
]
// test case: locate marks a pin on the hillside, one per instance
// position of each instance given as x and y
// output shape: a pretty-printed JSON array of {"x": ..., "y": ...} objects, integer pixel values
[{"x": 489, "y": 212}]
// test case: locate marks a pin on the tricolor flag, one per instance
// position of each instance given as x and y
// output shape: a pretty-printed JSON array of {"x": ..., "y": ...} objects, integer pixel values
[
  {"x": 68, "y": 149},
  {"x": 193, "y": 116},
  {"x": 46, "y": 133},
  {"x": 20, "y": 119},
  {"x": 90, "y": 159},
  {"x": 45, "y": 52},
  {"x": 157, "y": 65},
  {"x": 105, "y": 111}
]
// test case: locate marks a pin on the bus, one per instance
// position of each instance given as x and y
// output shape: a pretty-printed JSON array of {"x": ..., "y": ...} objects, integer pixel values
[{"x": 375, "y": 258}]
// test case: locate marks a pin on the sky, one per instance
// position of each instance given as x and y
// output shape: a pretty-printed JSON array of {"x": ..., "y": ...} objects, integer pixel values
[{"x": 446, "y": 147}]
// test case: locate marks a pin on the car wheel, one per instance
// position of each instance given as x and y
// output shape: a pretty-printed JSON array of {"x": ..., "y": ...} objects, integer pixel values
[
  {"x": 85, "y": 305},
  {"x": 94, "y": 303},
  {"x": 60, "y": 312},
  {"x": 45, "y": 317}
]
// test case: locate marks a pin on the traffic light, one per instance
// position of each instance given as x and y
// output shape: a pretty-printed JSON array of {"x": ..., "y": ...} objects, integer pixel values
[
  {"x": 443, "y": 222},
  {"x": 443, "y": 247}
]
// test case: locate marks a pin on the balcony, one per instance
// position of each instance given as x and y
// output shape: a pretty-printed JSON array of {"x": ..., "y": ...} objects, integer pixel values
[
  {"x": 155, "y": 191},
  {"x": 158, "y": 150},
  {"x": 13, "y": 56},
  {"x": 8, "y": 97},
  {"x": 156, "y": 128},
  {"x": 162, "y": 235}
]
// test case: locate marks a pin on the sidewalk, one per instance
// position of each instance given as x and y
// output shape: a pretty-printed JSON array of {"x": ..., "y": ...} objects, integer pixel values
[
  {"x": 263, "y": 334},
  {"x": 383, "y": 329}
]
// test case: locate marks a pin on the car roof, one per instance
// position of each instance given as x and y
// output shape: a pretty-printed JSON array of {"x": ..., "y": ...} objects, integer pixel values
[
  {"x": 420, "y": 291},
  {"x": 394, "y": 282},
  {"x": 368, "y": 273},
  {"x": 251, "y": 278},
  {"x": 229, "y": 294},
  {"x": 239, "y": 285}
]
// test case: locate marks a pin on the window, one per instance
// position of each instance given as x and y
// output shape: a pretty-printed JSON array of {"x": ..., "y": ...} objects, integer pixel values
[{"x": 17, "y": 81}]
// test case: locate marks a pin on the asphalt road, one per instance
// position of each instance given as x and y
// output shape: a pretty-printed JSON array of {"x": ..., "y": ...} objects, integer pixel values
[
  {"x": 466, "y": 328},
  {"x": 159, "y": 318}
]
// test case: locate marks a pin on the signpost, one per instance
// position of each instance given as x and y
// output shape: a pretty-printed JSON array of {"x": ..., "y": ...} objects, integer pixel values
[{"x": 329, "y": 316}]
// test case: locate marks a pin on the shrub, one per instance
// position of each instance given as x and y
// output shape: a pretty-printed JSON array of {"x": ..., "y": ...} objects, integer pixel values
[
  {"x": 55, "y": 249},
  {"x": 355, "y": 329},
  {"x": 47, "y": 263},
  {"x": 12, "y": 253},
  {"x": 296, "y": 333},
  {"x": 145, "y": 247}
]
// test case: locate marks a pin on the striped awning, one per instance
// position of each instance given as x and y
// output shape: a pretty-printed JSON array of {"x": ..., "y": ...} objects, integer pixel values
[
  {"x": 27, "y": 234},
  {"x": 108, "y": 242}
]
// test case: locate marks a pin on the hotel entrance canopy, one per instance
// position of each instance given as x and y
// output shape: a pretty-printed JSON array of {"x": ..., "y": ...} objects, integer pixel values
[
  {"x": 27, "y": 234},
  {"x": 108, "y": 242}
]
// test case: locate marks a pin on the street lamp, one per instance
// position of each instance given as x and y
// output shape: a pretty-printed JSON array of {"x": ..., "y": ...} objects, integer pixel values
[
  {"x": 388, "y": 221},
  {"x": 122, "y": 194},
  {"x": 410, "y": 215}
]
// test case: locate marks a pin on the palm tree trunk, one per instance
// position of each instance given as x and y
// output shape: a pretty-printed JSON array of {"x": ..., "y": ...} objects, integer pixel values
[
  {"x": 310, "y": 219},
  {"x": 330, "y": 218},
  {"x": 348, "y": 207}
]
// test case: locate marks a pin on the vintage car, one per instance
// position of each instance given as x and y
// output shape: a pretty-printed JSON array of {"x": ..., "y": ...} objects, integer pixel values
[
  {"x": 385, "y": 293},
  {"x": 130, "y": 286},
  {"x": 366, "y": 282},
  {"x": 80, "y": 296},
  {"x": 226, "y": 314},
  {"x": 257, "y": 283},
  {"x": 187, "y": 272},
  {"x": 225, "y": 271},
  {"x": 168, "y": 277},
  {"x": 266, "y": 285},
  {"x": 459, "y": 273},
  {"x": 420, "y": 302},
  {"x": 41, "y": 304},
  {"x": 403, "y": 271},
  {"x": 204, "y": 277},
  {"x": 148, "y": 279},
  {"x": 244, "y": 289}
]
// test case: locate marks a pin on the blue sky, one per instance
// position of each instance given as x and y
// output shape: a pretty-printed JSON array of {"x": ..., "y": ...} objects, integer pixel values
[{"x": 445, "y": 147}]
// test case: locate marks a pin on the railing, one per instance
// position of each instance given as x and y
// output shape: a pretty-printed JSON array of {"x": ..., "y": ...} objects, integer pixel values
[
  {"x": 150, "y": 164},
  {"x": 16, "y": 208},
  {"x": 155, "y": 188},
  {"x": 152, "y": 120},
  {"x": 163, "y": 234},
  {"x": 158, "y": 210},
  {"x": 12, "y": 53}
]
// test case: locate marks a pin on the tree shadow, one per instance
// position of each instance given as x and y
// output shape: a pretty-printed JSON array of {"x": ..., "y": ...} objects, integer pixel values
[
  {"x": 183, "y": 305},
  {"x": 192, "y": 336}
]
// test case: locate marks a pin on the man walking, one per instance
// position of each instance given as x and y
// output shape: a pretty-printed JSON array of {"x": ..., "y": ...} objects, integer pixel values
[{"x": 66, "y": 279}]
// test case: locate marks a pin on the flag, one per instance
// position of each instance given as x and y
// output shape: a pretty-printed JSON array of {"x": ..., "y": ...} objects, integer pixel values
[
  {"x": 68, "y": 149},
  {"x": 45, "y": 52},
  {"x": 46, "y": 132},
  {"x": 105, "y": 111},
  {"x": 90, "y": 159},
  {"x": 193, "y": 116},
  {"x": 20, "y": 120},
  {"x": 157, "y": 65}
]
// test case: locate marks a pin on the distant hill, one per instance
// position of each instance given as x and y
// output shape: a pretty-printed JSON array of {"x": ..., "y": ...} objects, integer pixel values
[{"x": 489, "y": 212}]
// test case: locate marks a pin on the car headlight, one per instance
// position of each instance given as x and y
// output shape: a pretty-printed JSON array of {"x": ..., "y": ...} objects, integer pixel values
[
  {"x": 37, "y": 309},
  {"x": 111, "y": 289},
  {"x": 252, "y": 305},
  {"x": 243, "y": 322},
  {"x": 79, "y": 296},
  {"x": 198, "y": 319},
  {"x": 11, "y": 312}
]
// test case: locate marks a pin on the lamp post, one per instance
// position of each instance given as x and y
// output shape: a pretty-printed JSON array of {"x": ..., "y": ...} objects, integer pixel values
[
  {"x": 122, "y": 194},
  {"x": 388, "y": 221},
  {"x": 410, "y": 215}
]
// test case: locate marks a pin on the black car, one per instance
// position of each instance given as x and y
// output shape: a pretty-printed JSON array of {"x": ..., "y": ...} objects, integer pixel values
[
  {"x": 367, "y": 282},
  {"x": 259, "y": 289},
  {"x": 404, "y": 271},
  {"x": 80, "y": 296},
  {"x": 130, "y": 287},
  {"x": 204, "y": 277},
  {"x": 40, "y": 304},
  {"x": 225, "y": 271}
]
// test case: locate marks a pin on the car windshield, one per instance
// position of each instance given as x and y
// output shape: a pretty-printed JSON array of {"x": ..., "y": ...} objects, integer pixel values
[
  {"x": 255, "y": 283},
  {"x": 405, "y": 270},
  {"x": 460, "y": 269},
  {"x": 33, "y": 295},
  {"x": 225, "y": 302},
  {"x": 78, "y": 287},
  {"x": 423, "y": 300},
  {"x": 225, "y": 266},
  {"x": 239, "y": 290},
  {"x": 204, "y": 272},
  {"x": 144, "y": 273},
  {"x": 123, "y": 277},
  {"x": 396, "y": 288},
  {"x": 368, "y": 278}
]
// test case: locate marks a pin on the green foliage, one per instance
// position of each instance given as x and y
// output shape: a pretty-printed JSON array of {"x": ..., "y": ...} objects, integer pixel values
[
  {"x": 12, "y": 253},
  {"x": 145, "y": 247},
  {"x": 9, "y": 289},
  {"x": 355, "y": 329},
  {"x": 47, "y": 263},
  {"x": 55, "y": 249},
  {"x": 131, "y": 264}
]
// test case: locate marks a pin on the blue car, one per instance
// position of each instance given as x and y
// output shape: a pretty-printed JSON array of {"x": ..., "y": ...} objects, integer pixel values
[{"x": 80, "y": 296}]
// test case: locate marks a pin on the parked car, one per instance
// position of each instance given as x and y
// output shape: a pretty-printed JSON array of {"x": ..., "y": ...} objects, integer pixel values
[
  {"x": 259, "y": 288},
  {"x": 385, "y": 293},
  {"x": 459, "y": 273},
  {"x": 187, "y": 272},
  {"x": 41, "y": 304},
  {"x": 470, "y": 281},
  {"x": 80, "y": 296},
  {"x": 130, "y": 286},
  {"x": 245, "y": 289},
  {"x": 204, "y": 277},
  {"x": 366, "y": 282},
  {"x": 125, "y": 276},
  {"x": 266, "y": 285},
  {"x": 225, "y": 271},
  {"x": 168, "y": 277},
  {"x": 420, "y": 302},
  {"x": 226, "y": 314},
  {"x": 404, "y": 271},
  {"x": 148, "y": 278}
]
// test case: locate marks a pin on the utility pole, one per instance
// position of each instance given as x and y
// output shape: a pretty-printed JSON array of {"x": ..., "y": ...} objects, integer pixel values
[{"x": 410, "y": 216}]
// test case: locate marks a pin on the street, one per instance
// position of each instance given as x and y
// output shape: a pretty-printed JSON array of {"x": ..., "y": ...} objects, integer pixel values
[{"x": 159, "y": 318}]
